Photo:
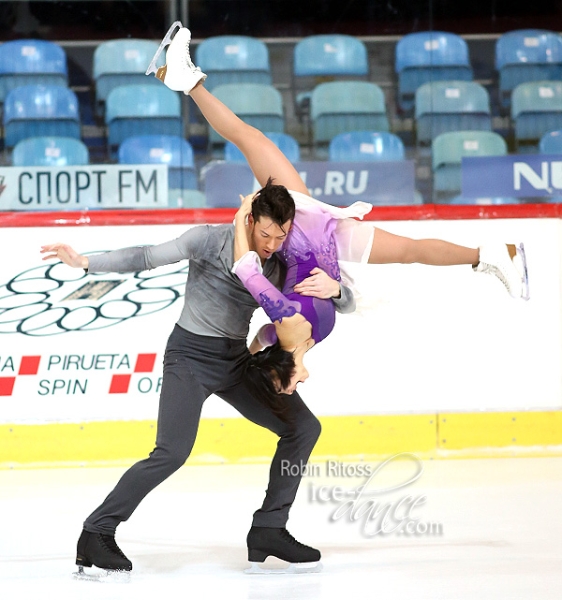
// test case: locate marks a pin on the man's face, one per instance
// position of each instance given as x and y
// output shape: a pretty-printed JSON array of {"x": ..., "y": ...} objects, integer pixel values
[{"x": 266, "y": 237}]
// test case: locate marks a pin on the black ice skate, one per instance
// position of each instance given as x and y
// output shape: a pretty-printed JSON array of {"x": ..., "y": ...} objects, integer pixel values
[
  {"x": 278, "y": 542},
  {"x": 101, "y": 550}
]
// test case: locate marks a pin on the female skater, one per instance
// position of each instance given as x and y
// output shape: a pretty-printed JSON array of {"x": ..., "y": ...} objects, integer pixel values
[{"x": 320, "y": 236}]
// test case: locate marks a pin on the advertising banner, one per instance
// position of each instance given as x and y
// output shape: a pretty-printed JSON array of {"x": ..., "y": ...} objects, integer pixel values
[
  {"x": 513, "y": 176},
  {"x": 77, "y": 347},
  {"x": 338, "y": 183},
  {"x": 87, "y": 186}
]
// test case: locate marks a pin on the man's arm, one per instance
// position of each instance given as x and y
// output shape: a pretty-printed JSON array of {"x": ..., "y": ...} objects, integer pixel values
[
  {"x": 133, "y": 259},
  {"x": 345, "y": 304}
]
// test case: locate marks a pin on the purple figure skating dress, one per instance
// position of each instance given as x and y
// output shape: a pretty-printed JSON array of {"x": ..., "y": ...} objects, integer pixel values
[{"x": 320, "y": 235}]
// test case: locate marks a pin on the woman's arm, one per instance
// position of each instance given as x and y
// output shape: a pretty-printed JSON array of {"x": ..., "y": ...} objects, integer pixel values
[
  {"x": 266, "y": 336},
  {"x": 276, "y": 305},
  {"x": 241, "y": 244}
]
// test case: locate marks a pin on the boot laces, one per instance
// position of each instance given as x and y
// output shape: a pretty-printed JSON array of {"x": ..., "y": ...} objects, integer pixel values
[
  {"x": 289, "y": 538},
  {"x": 493, "y": 270},
  {"x": 108, "y": 542},
  {"x": 187, "y": 59}
]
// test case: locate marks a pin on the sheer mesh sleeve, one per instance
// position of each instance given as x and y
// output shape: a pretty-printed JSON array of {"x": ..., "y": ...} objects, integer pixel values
[
  {"x": 276, "y": 305},
  {"x": 267, "y": 336}
]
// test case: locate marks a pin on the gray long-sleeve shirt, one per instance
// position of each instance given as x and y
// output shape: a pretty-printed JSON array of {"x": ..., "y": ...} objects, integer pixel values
[{"x": 216, "y": 302}]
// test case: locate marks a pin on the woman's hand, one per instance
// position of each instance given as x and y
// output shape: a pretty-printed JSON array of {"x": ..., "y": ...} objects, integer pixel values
[
  {"x": 66, "y": 254},
  {"x": 245, "y": 207}
]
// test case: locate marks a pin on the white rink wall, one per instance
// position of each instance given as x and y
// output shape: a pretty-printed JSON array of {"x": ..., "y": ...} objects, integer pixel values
[{"x": 424, "y": 339}]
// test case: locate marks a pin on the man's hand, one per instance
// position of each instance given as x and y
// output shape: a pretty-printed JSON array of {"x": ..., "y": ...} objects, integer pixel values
[
  {"x": 66, "y": 254},
  {"x": 319, "y": 284}
]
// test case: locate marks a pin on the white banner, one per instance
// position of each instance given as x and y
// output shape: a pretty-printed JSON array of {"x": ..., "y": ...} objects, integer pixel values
[
  {"x": 76, "y": 347},
  {"x": 78, "y": 187}
]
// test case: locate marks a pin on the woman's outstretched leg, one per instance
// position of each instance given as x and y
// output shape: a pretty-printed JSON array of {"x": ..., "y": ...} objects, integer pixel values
[
  {"x": 391, "y": 248},
  {"x": 263, "y": 156},
  {"x": 507, "y": 262}
]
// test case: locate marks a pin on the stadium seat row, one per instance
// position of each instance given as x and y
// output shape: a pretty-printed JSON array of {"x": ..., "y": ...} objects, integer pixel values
[
  {"x": 335, "y": 107},
  {"x": 448, "y": 149},
  {"x": 520, "y": 56}
]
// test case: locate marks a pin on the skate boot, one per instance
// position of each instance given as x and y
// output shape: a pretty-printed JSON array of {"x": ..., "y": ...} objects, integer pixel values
[
  {"x": 278, "y": 542},
  {"x": 179, "y": 73},
  {"x": 509, "y": 264},
  {"x": 101, "y": 550}
]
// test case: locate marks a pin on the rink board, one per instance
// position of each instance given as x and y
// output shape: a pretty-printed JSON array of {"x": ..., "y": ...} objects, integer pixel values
[
  {"x": 436, "y": 360},
  {"x": 464, "y": 435}
]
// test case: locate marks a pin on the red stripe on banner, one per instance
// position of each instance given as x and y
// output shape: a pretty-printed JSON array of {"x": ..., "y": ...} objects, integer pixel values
[
  {"x": 145, "y": 363},
  {"x": 29, "y": 365},
  {"x": 196, "y": 216},
  {"x": 188, "y": 216},
  {"x": 119, "y": 384},
  {"x": 7, "y": 385}
]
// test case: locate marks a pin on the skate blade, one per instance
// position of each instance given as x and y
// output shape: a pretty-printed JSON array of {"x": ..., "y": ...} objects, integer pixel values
[
  {"x": 152, "y": 68},
  {"x": 292, "y": 569},
  {"x": 102, "y": 575},
  {"x": 525, "y": 275}
]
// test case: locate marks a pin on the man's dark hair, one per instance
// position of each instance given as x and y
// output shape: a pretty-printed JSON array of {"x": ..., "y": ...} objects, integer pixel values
[
  {"x": 275, "y": 202},
  {"x": 268, "y": 370}
]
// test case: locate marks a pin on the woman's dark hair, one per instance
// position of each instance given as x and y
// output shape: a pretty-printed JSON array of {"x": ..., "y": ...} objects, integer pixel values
[
  {"x": 275, "y": 202},
  {"x": 265, "y": 371}
]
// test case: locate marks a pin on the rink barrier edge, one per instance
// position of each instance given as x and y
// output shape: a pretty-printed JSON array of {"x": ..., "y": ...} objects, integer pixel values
[{"x": 352, "y": 438}]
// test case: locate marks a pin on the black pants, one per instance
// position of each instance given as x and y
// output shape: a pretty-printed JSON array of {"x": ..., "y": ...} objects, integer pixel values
[{"x": 194, "y": 367}]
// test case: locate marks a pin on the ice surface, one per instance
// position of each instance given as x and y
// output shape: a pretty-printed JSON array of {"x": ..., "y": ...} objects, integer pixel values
[{"x": 500, "y": 536}]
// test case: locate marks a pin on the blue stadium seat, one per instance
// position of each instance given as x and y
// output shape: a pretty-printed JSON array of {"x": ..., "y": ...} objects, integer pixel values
[
  {"x": 171, "y": 150},
  {"x": 40, "y": 110},
  {"x": 447, "y": 151},
  {"x": 366, "y": 146},
  {"x": 536, "y": 108},
  {"x": 50, "y": 152},
  {"x": 233, "y": 59},
  {"x": 429, "y": 56},
  {"x": 551, "y": 142},
  {"x": 122, "y": 62},
  {"x": 257, "y": 104},
  {"x": 321, "y": 58},
  {"x": 141, "y": 110},
  {"x": 527, "y": 55},
  {"x": 342, "y": 106},
  {"x": 31, "y": 62},
  {"x": 285, "y": 142},
  {"x": 444, "y": 106}
]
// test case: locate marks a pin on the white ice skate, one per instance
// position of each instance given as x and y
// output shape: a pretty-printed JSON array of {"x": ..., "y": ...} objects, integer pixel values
[
  {"x": 179, "y": 73},
  {"x": 293, "y": 569},
  {"x": 509, "y": 264}
]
